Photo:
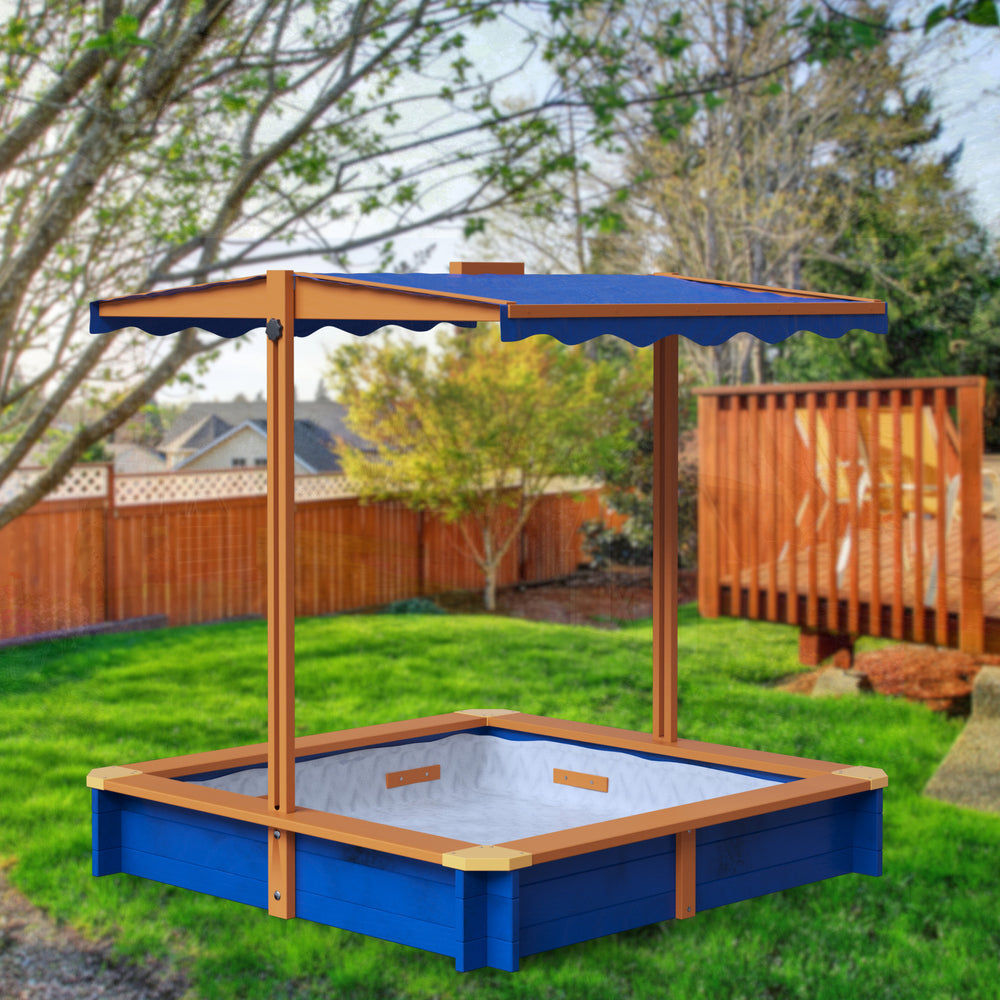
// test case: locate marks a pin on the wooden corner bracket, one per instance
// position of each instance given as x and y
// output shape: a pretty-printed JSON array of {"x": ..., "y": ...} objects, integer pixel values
[
  {"x": 99, "y": 775},
  {"x": 486, "y": 858},
  {"x": 875, "y": 776}
]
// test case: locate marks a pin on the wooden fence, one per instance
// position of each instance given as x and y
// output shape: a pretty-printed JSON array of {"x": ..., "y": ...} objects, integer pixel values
[
  {"x": 850, "y": 508},
  {"x": 193, "y": 548}
]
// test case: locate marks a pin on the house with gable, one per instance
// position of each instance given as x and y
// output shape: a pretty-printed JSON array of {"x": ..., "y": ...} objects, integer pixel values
[{"x": 233, "y": 435}]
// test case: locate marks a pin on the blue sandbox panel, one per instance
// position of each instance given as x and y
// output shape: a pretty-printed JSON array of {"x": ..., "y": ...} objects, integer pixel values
[
  {"x": 763, "y": 854},
  {"x": 181, "y": 847},
  {"x": 375, "y": 893},
  {"x": 587, "y": 896}
]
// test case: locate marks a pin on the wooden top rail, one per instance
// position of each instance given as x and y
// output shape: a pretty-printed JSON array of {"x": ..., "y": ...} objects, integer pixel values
[{"x": 872, "y": 385}]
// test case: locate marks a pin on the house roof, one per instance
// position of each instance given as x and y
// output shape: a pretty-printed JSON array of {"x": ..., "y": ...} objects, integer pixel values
[
  {"x": 197, "y": 433},
  {"x": 572, "y": 308},
  {"x": 314, "y": 447},
  {"x": 132, "y": 459},
  {"x": 326, "y": 416}
]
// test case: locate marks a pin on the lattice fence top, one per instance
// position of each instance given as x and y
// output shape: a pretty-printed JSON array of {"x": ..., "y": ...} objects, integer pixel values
[
  {"x": 91, "y": 481},
  {"x": 174, "y": 487},
  {"x": 82, "y": 482}
]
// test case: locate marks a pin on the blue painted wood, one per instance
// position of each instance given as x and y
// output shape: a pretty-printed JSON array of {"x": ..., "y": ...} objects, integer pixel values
[
  {"x": 208, "y": 822},
  {"x": 106, "y": 839},
  {"x": 101, "y": 801},
  {"x": 592, "y": 923},
  {"x": 769, "y": 848},
  {"x": 188, "y": 849},
  {"x": 866, "y": 862},
  {"x": 107, "y": 862},
  {"x": 503, "y": 920},
  {"x": 596, "y": 859},
  {"x": 771, "y": 820},
  {"x": 606, "y": 886},
  {"x": 763, "y": 881},
  {"x": 380, "y": 923},
  {"x": 188, "y": 841},
  {"x": 185, "y": 875},
  {"x": 470, "y": 921},
  {"x": 373, "y": 859},
  {"x": 427, "y": 899}
]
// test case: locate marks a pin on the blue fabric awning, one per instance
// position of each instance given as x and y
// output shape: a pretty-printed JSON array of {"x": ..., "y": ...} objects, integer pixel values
[{"x": 640, "y": 309}]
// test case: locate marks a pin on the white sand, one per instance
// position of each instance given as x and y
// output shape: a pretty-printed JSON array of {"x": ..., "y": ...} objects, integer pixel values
[{"x": 492, "y": 790}]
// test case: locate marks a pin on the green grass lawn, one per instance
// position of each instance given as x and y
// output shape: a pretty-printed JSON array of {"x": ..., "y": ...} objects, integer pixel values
[{"x": 929, "y": 928}]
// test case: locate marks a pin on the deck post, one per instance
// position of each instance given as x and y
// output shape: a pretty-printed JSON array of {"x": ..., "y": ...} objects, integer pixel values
[
  {"x": 708, "y": 507},
  {"x": 281, "y": 587},
  {"x": 971, "y": 623},
  {"x": 665, "y": 445}
]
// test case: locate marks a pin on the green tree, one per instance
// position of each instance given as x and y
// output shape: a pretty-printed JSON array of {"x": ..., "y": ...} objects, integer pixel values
[
  {"x": 476, "y": 430},
  {"x": 904, "y": 233}
]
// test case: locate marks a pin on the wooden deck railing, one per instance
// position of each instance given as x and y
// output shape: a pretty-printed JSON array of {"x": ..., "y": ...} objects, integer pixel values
[{"x": 849, "y": 508}]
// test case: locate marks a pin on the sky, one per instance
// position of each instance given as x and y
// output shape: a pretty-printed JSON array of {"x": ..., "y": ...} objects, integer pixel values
[{"x": 965, "y": 81}]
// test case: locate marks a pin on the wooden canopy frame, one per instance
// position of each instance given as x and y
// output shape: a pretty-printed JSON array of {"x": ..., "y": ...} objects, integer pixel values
[
  {"x": 283, "y": 297},
  {"x": 281, "y": 306}
]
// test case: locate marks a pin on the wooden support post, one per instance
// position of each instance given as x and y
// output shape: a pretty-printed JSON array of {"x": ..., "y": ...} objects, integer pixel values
[
  {"x": 281, "y": 587},
  {"x": 665, "y": 445},
  {"x": 971, "y": 623},
  {"x": 685, "y": 880}
]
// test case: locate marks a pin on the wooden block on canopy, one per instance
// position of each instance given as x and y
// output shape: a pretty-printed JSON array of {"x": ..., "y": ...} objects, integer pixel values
[{"x": 486, "y": 267}]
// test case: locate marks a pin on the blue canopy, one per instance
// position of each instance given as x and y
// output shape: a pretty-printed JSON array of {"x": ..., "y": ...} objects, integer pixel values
[{"x": 640, "y": 309}]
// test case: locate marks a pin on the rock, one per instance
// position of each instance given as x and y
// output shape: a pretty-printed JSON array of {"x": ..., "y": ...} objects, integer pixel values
[
  {"x": 970, "y": 773},
  {"x": 834, "y": 681}
]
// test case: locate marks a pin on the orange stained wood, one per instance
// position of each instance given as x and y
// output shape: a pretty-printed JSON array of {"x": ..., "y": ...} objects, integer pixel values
[
  {"x": 412, "y": 776},
  {"x": 336, "y": 298},
  {"x": 682, "y": 749},
  {"x": 281, "y": 590},
  {"x": 685, "y": 874},
  {"x": 888, "y": 558},
  {"x": 545, "y": 847},
  {"x": 577, "y": 779},
  {"x": 281, "y": 545},
  {"x": 242, "y": 297},
  {"x": 639, "y": 309},
  {"x": 765, "y": 288},
  {"x": 313, "y": 822},
  {"x": 281, "y": 873},
  {"x": 970, "y": 433},
  {"x": 486, "y": 267},
  {"x": 665, "y": 445},
  {"x": 678, "y": 819},
  {"x": 708, "y": 508},
  {"x": 307, "y": 746},
  {"x": 941, "y": 606},
  {"x": 818, "y": 780}
]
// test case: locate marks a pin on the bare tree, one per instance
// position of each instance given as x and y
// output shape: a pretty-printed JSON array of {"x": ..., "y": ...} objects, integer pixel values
[{"x": 149, "y": 142}]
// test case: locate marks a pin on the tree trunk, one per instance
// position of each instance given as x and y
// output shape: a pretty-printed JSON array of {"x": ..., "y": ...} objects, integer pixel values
[{"x": 490, "y": 590}]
